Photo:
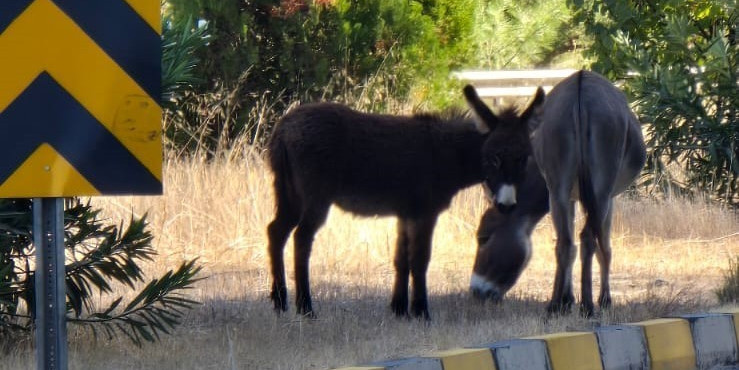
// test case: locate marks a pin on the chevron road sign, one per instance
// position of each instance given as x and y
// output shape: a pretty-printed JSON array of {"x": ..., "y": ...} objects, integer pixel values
[
  {"x": 80, "y": 85},
  {"x": 79, "y": 98}
]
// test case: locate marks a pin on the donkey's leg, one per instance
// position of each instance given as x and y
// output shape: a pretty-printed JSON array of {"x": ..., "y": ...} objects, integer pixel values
[
  {"x": 419, "y": 255},
  {"x": 596, "y": 239},
  {"x": 399, "y": 302},
  {"x": 277, "y": 232},
  {"x": 603, "y": 254},
  {"x": 562, "y": 216},
  {"x": 587, "y": 248},
  {"x": 311, "y": 220}
]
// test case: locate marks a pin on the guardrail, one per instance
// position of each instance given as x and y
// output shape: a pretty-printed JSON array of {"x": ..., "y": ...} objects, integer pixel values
[{"x": 512, "y": 83}]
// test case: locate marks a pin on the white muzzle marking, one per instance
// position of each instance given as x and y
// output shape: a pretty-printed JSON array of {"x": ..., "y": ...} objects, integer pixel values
[
  {"x": 478, "y": 282},
  {"x": 506, "y": 195},
  {"x": 482, "y": 285}
]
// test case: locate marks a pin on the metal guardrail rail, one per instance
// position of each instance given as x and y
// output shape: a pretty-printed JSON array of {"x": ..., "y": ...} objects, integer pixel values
[{"x": 512, "y": 83}]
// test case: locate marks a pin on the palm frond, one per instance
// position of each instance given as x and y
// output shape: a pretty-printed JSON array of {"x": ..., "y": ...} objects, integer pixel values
[
  {"x": 99, "y": 256},
  {"x": 158, "y": 308}
]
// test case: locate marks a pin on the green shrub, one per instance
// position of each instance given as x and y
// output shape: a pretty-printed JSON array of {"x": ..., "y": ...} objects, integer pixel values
[
  {"x": 679, "y": 62},
  {"x": 512, "y": 34},
  {"x": 285, "y": 51},
  {"x": 372, "y": 54}
]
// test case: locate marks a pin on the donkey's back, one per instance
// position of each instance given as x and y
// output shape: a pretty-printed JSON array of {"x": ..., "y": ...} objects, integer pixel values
[
  {"x": 372, "y": 164},
  {"x": 588, "y": 129}
]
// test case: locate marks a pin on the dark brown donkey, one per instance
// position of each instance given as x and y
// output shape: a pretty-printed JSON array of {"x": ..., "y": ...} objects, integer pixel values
[
  {"x": 370, "y": 164},
  {"x": 588, "y": 146}
]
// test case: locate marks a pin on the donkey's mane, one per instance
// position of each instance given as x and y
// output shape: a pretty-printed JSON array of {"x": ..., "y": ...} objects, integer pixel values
[
  {"x": 508, "y": 114},
  {"x": 453, "y": 114}
]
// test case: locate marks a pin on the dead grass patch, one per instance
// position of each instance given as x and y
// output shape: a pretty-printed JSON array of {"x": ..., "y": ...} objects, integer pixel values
[{"x": 669, "y": 258}]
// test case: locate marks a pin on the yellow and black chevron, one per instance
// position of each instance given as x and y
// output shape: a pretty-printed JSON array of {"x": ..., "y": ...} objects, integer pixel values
[{"x": 79, "y": 98}]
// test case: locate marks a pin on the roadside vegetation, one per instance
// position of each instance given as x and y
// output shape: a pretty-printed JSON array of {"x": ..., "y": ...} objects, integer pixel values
[
  {"x": 728, "y": 291},
  {"x": 670, "y": 256},
  {"x": 231, "y": 68}
]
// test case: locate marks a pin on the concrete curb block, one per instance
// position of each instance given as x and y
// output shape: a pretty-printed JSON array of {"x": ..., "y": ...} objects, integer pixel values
[
  {"x": 413, "y": 363},
  {"x": 695, "y": 341},
  {"x": 465, "y": 359},
  {"x": 622, "y": 347},
  {"x": 669, "y": 342},
  {"x": 735, "y": 316},
  {"x": 572, "y": 350},
  {"x": 714, "y": 339},
  {"x": 520, "y": 354}
]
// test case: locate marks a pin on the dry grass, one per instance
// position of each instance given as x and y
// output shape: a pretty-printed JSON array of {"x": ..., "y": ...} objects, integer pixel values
[{"x": 669, "y": 258}]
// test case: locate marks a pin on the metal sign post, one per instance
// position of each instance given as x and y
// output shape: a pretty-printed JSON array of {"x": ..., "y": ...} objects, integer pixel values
[{"x": 51, "y": 323}]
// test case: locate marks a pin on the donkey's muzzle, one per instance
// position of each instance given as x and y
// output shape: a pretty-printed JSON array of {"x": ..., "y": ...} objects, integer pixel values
[
  {"x": 483, "y": 289},
  {"x": 505, "y": 198},
  {"x": 505, "y": 208},
  {"x": 484, "y": 295}
]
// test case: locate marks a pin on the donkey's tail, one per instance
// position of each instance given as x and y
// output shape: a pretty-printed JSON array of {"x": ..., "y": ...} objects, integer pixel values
[
  {"x": 285, "y": 194},
  {"x": 588, "y": 198}
]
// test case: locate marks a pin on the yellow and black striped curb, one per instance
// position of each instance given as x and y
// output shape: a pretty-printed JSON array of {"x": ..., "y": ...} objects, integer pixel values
[{"x": 695, "y": 341}]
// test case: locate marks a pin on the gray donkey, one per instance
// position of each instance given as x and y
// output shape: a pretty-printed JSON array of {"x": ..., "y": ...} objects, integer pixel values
[{"x": 588, "y": 146}]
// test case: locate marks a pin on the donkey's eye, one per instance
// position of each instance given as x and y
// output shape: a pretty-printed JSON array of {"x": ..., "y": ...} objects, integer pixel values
[{"x": 495, "y": 161}]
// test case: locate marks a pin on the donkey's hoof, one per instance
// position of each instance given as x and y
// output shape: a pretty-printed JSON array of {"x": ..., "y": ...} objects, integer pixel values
[
  {"x": 399, "y": 311},
  {"x": 279, "y": 301},
  {"x": 305, "y": 308},
  {"x": 559, "y": 308},
  {"x": 280, "y": 310},
  {"x": 604, "y": 302},
  {"x": 420, "y": 310},
  {"x": 308, "y": 314},
  {"x": 586, "y": 310},
  {"x": 280, "y": 306},
  {"x": 399, "y": 305}
]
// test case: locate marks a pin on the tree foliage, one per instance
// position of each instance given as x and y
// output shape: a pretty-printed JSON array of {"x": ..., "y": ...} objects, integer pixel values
[
  {"x": 257, "y": 57},
  {"x": 679, "y": 62},
  {"x": 295, "y": 48},
  {"x": 181, "y": 41},
  {"x": 513, "y": 34}
]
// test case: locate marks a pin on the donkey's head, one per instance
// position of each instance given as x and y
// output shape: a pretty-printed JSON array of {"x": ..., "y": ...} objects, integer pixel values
[
  {"x": 503, "y": 250},
  {"x": 506, "y": 148},
  {"x": 504, "y": 240}
]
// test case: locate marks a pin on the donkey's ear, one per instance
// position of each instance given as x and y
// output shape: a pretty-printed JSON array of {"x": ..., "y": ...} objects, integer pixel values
[
  {"x": 536, "y": 102},
  {"x": 485, "y": 120}
]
